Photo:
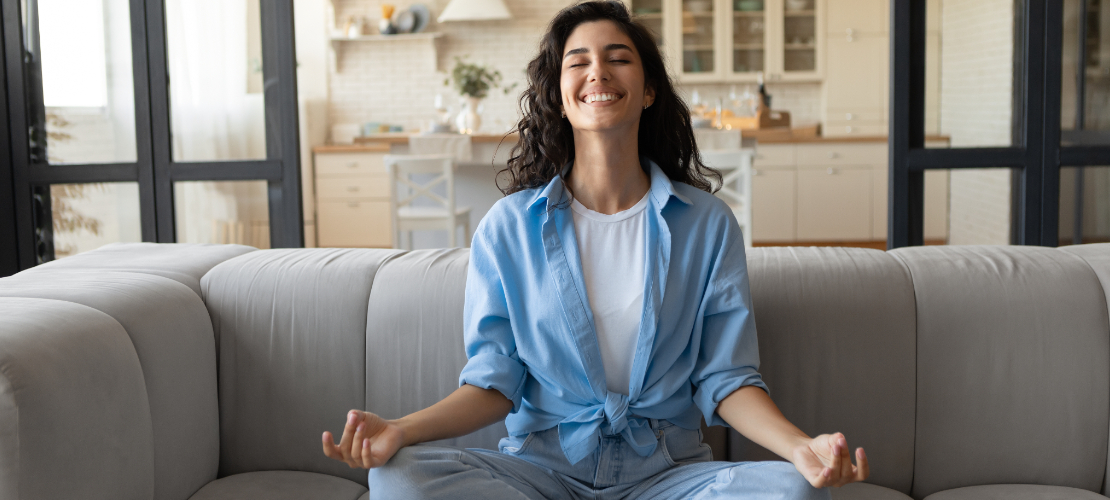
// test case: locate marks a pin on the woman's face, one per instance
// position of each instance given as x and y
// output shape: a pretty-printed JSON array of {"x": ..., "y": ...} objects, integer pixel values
[{"x": 602, "y": 82}]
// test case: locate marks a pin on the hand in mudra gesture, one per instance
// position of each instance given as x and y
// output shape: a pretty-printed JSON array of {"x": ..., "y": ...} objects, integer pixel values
[
  {"x": 825, "y": 461},
  {"x": 368, "y": 441}
]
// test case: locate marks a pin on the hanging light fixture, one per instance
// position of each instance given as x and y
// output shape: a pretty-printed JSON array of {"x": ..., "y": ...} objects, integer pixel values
[{"x": 475, "y": 10}]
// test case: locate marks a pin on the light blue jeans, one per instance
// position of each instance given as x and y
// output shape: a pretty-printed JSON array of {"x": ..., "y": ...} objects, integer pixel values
[{"x": 534, "y": 468}]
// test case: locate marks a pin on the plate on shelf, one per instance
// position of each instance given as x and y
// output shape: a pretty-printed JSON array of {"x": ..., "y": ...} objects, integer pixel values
[
  {"x": 405, "y": 21},
  {"x": 421, "y": 16}
]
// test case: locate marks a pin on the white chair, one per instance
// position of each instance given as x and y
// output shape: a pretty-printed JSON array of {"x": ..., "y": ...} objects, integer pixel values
[
  {"x": 735, "y": 166},
  {"x": 443, "y": 215}
]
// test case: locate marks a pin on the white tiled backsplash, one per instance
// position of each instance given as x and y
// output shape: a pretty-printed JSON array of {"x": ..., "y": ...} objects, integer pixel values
[{"x": 394, "y": 82}]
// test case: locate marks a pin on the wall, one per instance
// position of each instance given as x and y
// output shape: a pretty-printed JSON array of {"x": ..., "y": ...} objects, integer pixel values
[
  {"x": 395, "y": 81},
  {"x": 976, "y": 89}
]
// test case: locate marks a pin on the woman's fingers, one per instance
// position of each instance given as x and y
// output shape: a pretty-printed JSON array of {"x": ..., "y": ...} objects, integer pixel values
[
  {"x": 353, "y": 418},
  {"x": 835, "y": 467},
  {"x": 863, "y": 468},
  {"x": 847, "y": 470},
  {"x": 356, "y": 445},
  {"x": 330, "y": 450}
]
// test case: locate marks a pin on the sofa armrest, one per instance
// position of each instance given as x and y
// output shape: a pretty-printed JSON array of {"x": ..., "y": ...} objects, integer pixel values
[{"x": 74, "y": 416}]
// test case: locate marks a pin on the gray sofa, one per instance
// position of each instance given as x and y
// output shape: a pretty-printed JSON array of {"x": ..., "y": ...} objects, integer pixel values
[{"x": 170, "y": 372}]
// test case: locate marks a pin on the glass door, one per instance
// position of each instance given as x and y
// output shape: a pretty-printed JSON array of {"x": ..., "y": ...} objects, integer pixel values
[
  {"x": 698, "y": 37},
  {"x": 650, "y": 13},
  {"x": 749, "y": 23}
]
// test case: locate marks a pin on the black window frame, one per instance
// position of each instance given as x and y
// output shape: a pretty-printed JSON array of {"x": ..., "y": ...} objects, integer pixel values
[
  {"x": 154, "y": 170},
  {"x": 1036, "y": 156}
]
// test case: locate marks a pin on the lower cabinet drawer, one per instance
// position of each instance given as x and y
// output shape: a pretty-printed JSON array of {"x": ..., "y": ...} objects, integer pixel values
[
  {"x": 367, "y": 186},
  {"x": 353, "y": 223},
  {"x": 834, "y": 204},
  {"x": 840, "y": 128}
]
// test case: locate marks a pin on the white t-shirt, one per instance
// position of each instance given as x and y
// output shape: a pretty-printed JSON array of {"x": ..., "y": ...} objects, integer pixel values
[{"x": 612, "y": 252}]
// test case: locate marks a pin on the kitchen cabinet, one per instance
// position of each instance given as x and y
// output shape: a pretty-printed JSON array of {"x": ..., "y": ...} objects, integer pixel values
[
  {"x": 736, "y": 40},
  {"x": 857, "y": 73},
  {"x": 832, "y": 191},
  {"x": 352, "y": 197}
]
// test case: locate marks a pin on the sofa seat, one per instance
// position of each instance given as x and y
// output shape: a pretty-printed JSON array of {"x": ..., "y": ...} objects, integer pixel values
[
  {"x": 866, "y": 491},
  {"x": 1015, "y": 492},
  {"x": 280, "y": 485}
]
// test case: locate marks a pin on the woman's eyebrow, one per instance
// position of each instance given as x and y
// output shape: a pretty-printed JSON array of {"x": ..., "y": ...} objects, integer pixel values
[{"x": 607, "y": 48}]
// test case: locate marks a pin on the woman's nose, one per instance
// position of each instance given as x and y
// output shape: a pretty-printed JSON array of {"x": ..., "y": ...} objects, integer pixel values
[{"x": 598, "y": 71}]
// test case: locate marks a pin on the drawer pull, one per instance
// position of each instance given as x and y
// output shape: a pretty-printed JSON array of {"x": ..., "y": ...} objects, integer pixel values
[
  {"x": 834, "y": 155},
  {"x": 353, "y": 164},
  {"x": 847, "y": 116},
  {"x": 352, "y": 189},
  {"x": 831, "y": 171},
  {"x": 850, "y": 31},
  {"x": 848, "y": 129},
  {"x": 352, "y": 204}
]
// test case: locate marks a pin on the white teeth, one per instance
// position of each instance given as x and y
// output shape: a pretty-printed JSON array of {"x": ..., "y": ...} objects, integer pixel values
[{"x": 600, "y": 97}]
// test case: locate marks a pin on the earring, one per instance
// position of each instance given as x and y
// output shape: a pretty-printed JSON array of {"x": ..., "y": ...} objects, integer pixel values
[{"x": 563, "y": 112}]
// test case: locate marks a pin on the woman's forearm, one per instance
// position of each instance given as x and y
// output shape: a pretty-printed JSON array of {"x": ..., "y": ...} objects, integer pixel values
[
  {"x": 751, "y": 412},
  {"x": 466, "y": 410}
]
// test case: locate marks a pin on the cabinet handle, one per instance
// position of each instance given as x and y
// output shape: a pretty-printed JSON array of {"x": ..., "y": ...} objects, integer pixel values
[
  {"x": 353, "y": 164},
  {"x": 834, "y": 155},
  {"x": 851, "y": 38},
  {"x": 352, "y": 204},
  {"x": 847, "y": 116},
  {"x": 848, "y": 129},
  {"x": 831, "y": 171},
  {"x": 850, "y": 31},
  {"x": 352, "y": 189}
]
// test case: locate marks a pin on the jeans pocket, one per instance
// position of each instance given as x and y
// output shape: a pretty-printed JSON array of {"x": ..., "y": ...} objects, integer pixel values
[
  {"x": 522, "y": 447},
  {"x": 684, "y": 446}
]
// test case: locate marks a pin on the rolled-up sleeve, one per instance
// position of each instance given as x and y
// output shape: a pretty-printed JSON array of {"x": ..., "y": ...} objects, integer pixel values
[
  {"x": 492, "y": 360},
  {"x": 728, "y": 357}
]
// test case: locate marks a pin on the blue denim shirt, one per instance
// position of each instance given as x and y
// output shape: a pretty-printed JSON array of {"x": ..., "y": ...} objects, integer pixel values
[{"x": 529, "y": 331}]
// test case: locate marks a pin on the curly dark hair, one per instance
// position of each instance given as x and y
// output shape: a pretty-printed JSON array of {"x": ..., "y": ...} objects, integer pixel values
[{"x": 546, "y": 139}]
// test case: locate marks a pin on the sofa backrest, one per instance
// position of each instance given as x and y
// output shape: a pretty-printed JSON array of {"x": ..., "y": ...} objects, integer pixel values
[
  {"x": 836, "y": 348},
  {"x": 1013, "y": 368}
]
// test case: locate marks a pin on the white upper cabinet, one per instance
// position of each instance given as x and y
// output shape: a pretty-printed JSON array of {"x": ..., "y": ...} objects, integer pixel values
[{"x": 736, "y": 40}]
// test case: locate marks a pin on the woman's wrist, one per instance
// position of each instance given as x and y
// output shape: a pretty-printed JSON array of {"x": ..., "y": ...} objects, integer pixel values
[{"x": 409, "y": 431}]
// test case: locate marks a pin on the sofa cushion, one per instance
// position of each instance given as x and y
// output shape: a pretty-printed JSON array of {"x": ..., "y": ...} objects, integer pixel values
[
  {"x": 865, "y": 491},
  {"x": 74, "y": 416},
  {"x": 1097, "y": 255},
  {"x": 182, "y": 262},
  {"x": 836, "y": 348},
  {"x": 171, "y": 332},
  {"x": 290, "y": 328},
  {"x": 414, "y": 338},
  {"x": 280, "y": 485},
  {"x": 1013, "y": 358},
  {"x": 1015, "y": 492}
]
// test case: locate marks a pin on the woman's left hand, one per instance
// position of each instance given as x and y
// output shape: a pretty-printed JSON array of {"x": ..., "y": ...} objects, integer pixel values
[{"x": 825, "y": 461}]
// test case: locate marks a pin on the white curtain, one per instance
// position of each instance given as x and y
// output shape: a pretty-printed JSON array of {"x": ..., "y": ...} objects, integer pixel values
[{"x": 213, "y": 118}]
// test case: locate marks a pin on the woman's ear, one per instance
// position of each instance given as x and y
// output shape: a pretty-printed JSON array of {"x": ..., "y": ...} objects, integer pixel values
[{"x": 649, "y": 97}]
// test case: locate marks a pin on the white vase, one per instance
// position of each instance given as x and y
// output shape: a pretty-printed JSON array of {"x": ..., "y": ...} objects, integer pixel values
[{"x": 469, "y": 121}]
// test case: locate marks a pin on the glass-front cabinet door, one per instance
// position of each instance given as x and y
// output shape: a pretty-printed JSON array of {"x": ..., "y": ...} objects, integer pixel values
[
  {"x": 749, "y": 25},
  {"x": 737, "y": 40}
]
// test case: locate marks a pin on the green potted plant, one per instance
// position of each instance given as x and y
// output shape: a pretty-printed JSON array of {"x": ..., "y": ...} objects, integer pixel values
[{"x": 473, "y": 82}]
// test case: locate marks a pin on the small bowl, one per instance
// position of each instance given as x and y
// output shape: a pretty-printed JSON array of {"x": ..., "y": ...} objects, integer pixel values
[
  {"x": 796, "y": 5},
  {"x": 699, "y": 6},
  {"x": 748, "y": 5}
]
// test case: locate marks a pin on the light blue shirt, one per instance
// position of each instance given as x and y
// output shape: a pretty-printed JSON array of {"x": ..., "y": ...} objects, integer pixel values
[{"x": 529, "y": 330}]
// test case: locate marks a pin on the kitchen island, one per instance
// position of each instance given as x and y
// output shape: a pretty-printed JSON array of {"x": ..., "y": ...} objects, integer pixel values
[{"x": 805, "y": 190}]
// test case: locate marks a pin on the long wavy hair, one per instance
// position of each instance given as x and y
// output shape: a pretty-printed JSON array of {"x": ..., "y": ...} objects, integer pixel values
[{"x": 546, "y": 138}]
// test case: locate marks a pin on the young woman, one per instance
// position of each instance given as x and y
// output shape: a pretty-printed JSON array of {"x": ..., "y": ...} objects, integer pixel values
[{"x": 607, "y": 309}]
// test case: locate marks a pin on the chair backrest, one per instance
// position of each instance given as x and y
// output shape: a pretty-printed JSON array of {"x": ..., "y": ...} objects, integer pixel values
[
  {"x": 735, "y": 167},
  {"x": 401, "y": 168}
]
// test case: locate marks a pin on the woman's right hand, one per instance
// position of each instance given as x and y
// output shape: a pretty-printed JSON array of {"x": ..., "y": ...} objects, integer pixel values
[{"x": 368, "y": 441}]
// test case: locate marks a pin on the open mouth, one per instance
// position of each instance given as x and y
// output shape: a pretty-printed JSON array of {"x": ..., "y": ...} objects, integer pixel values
[{"x": 601, "y": 97}]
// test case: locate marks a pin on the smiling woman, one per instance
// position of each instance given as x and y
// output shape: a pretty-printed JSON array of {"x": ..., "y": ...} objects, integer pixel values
[{"x": 602, "y": 378}]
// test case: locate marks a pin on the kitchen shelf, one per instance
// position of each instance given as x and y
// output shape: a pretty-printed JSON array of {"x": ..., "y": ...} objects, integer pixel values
[
  {"x": 799, "y": 13},
  {"x": 747, "y": 46},
  {"x": 340, "y": 41},
  {"x": 748, "y": 13}
]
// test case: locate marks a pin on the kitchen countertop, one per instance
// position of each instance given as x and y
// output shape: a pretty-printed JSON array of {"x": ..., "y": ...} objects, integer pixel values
[{"x": 380, "y": 143}]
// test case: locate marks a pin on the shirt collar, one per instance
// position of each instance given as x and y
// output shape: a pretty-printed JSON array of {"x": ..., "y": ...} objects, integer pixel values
[{"x": 662, "y": 189}]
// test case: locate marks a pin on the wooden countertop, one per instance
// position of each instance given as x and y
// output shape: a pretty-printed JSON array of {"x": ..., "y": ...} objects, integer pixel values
[{"x": 380, "y": 143}]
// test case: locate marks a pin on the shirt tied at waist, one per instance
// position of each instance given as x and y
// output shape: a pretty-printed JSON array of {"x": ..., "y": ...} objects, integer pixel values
[{"x": 579, "y": 434}]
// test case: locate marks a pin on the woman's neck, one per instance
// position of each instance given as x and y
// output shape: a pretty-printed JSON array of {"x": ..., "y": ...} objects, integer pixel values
[{"x": 607, "y": 177}]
